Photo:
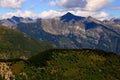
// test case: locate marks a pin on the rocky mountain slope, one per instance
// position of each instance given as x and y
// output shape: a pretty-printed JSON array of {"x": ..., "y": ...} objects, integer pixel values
[
  {"x": 11, "y": 22},
  {"x": 71, "y": 31},
  {"x": 114, "y": 24}
]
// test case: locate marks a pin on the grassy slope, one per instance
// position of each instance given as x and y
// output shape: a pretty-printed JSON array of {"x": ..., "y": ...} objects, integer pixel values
[{"x": 15, "y": 44}]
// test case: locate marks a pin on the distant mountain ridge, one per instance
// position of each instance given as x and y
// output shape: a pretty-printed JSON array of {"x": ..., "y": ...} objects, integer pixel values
[
  {"x": 73, "y": 32},
  {"x": 12, "y": 22}
]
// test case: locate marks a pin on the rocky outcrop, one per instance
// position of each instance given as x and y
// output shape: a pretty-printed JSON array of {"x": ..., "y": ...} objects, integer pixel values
[{"x": 5, "y": 72}]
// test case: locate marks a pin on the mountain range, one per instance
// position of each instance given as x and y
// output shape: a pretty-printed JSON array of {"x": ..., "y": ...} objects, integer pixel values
[{"x": 70, "y": 31}]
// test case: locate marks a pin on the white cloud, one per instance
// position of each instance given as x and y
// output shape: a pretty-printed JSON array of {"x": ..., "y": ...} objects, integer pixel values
[
  {"x": 102, "y": 15},
  {"x": 11, "y": 3},
  {"x": 83, "y": 7},
  {"x": 94, "y": 5},
  {"x": 18, "y": 13},
  {"x": 70, "y": 4},
  {"x": 90, "y": 5},
  {"x": 44, "y": 14},
  {"x": 50, "y": 14}
]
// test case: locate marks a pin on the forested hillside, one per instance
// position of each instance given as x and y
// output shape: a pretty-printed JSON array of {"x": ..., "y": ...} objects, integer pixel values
[
  {"x": 85, "y": 64},
  {"x": 14, "y": 44}
]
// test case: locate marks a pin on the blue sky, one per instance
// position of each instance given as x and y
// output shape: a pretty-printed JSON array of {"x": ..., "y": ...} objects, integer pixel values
[{"x": 100, "y": 9}]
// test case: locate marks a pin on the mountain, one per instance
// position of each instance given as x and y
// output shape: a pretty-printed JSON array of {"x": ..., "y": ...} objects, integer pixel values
[
  {"x": 115, "y": 20},
  {"x": 14, "y": 44},
  {"x": 86, "y": 33},
  {"x": 61, "y": 64},
  {"x": 35, "y": 30},
  {"x": 17, "y": 19},
  {"x": 12, "y": 22},
  {"x": 70, "y": 17},
  {"x": 114, "y": 24},
  {"x": 75, "y": 32}
]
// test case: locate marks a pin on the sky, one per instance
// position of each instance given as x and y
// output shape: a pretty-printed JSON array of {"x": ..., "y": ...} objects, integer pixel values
[{"x": 99, "y": 9}]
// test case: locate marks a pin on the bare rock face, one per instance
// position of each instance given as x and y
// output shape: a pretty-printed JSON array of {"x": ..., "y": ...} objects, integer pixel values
[
  {"x": 113, "y": 24},
  {"x": 85, "y": 32},
  {"x": 5, "y": 72}
]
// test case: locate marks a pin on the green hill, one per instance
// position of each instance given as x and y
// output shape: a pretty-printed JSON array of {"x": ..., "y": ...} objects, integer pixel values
[
  {"x": 83, "y": 64},
  {"x": 14, "y": 44},
  {"x": 61, "y": 64}
]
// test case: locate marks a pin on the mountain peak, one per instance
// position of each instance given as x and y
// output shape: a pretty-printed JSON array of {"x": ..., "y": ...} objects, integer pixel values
[
  {"x": 69, "y": 14},
  {"x": 70, "y": 17},
  {"x": 17, "y": 19}
]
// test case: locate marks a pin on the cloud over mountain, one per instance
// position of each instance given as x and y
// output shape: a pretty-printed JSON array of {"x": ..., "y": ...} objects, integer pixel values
[
  {"x": 49, "y": 14},
  {"x": 55, "y": 8}
]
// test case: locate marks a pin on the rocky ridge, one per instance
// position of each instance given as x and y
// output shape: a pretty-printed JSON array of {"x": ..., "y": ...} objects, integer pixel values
[{"x": 75, "y": 32}]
